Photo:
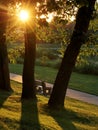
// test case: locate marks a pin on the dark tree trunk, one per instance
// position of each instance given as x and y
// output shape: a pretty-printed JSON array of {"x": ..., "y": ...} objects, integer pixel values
[
  {"x": 29, "y": 90},
  {"x": 4, "y": 70},
  {"x": 78, "y": 38}
]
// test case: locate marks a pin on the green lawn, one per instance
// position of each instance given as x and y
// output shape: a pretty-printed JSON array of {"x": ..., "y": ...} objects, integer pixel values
[
  {"x": 85, "y": 83},
  {"x": 35, "y": 115},
  {"x": 81, "y": 82}
]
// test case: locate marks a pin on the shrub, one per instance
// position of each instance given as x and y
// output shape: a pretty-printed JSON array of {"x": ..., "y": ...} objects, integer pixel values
[
  {"x": 20, "y": 60},
  {"x": 87, "y": 68},
  {"x": 50, "y": 53},
  {"x": 16, "y": 55},
  {"x": 56, "y": 64},
  {"x": 44, "y": 61}
]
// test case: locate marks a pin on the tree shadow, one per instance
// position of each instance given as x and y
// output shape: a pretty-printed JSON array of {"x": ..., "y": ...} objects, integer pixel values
[
  {"x": 62, "y": 118},
  {"x": 29, "y": 115},
  {"x": 3, "y": 96}
]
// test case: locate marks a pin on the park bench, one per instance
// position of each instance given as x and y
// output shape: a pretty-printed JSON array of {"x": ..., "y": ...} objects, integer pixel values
[{"x": 42, "y": 88}]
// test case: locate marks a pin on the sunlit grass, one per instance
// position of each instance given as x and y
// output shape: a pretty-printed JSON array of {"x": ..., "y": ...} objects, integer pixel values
[{"x": 35, "y": 115}]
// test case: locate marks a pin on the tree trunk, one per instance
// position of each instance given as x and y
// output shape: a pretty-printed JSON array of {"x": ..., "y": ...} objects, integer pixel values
[
  {"x": 29, "y": 90},
  {"x": 4, "y": 70},
  {"x": 78, "y": 38}
]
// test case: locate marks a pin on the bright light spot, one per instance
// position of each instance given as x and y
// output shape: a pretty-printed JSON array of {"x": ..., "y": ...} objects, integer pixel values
[
  {"x": 50, "y": 17},
  {"x": 42, "y": 16},
  {"x": 72, "y": 18},
  {"x": 24, "y": 15},
  {"x": 38, "y": 4}
]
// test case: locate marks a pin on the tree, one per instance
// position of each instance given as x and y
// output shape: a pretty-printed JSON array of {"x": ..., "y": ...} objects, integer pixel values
[
  {"x": 29, "y": 90},
  {"x": 83, "y": 18},
  {"x": 4, "y": 70}
]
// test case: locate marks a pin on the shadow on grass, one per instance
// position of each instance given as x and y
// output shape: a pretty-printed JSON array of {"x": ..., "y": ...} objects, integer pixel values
[
  {"x": 62, "y": 117},
  {"x": 3, "y": 96},
  {"x": 29, "y": 115}
]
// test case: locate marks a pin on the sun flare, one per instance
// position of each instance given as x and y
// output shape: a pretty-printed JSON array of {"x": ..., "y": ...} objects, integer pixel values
[{"x": 24, "y": 15}]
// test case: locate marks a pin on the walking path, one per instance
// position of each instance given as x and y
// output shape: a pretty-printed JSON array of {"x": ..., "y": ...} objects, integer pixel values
[{"x": 92, "y": 99}]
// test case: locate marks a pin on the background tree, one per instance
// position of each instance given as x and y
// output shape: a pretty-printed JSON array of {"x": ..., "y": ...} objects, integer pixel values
[{"x": 83, "y": 17}]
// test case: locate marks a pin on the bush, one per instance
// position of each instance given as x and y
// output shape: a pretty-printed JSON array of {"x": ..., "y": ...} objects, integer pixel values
[
  {"x": 56, "y": 64},
  {"x": 20, "y": 60},
  {"x": 51, "y": 54},
  {"x": 87, "y": 68},
  {"x": 44, "y": 61},
  {"x": 16, "y": 55}
]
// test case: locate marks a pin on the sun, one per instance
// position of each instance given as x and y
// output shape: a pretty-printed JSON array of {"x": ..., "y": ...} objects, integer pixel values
[{"x": 24, "y": 15}]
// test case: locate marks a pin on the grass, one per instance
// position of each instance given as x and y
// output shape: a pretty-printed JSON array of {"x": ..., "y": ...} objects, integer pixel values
[
  {"x": 43, "y": 73},
  {"x": 16, "y": 68},
  {"x": 81, "y": 82},
  {"x": 35, "y": 115},
  {"x": 85, "y": 83}
]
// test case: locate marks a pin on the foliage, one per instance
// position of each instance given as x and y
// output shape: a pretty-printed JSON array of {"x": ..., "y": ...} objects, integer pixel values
[
  {"x": 50, "y": 52},
  {"x": 15, "y": 53},
  {"x": 89, "y": 67},
  {"x": 64, "y": 9},
  {"x": 55, "y": 33},
  {"x": 90, "y": 48},
  {"x": 50, "y": 63},
  {"x": 58, "y": 33},
  {"x": 14, "y": 34}
]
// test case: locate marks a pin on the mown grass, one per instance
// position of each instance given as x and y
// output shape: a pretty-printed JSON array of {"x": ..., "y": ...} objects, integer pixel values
[
  {"x": 85, "y": 83},
  {"x": 82, "y": 82},
  {"x": 35, "y": 115}
]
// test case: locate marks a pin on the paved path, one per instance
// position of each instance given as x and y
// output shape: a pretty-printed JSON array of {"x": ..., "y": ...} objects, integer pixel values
[{"x": 92, "y": 99}]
